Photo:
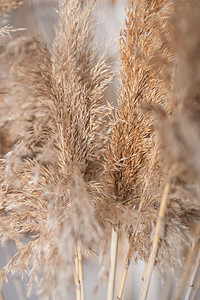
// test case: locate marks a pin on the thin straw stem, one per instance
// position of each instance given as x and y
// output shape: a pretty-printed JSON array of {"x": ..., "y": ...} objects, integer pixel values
[
  {"x": 76, "y": 277},
  {"x": 80, "y": 272},
  {"x": 145, "y": 271},
  {"x": 128, "y": 260},
  {"x": 187, "y": 269},
  {"x": 152, "y": 257},
  {"x": 197, "y": 286},
  {"x": 126, "y": 267},
  {"x": 192, "y": 279},
  {"x": 113, "y": 260}
]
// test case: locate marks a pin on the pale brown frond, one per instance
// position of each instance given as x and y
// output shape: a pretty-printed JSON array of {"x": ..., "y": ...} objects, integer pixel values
[
  {"x": 133, "y": 136},
  {"x": 56, "y": 125}
]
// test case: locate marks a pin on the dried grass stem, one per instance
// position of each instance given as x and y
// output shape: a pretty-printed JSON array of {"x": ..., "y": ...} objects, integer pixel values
[
  {"x": 76, "y": 281},
  {"x": 152, "y": 257},
  {"x": 186, "y": 272},
  {"x": 192, "y": 279},
  {"x": 126, "y": 267},
  {"x": 113, "y": 260}
]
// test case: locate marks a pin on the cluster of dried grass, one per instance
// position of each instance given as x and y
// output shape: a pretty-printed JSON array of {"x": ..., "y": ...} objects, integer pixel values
[
  {"x": 72, "y": 171},
  {"x": 53, "y": 132}
]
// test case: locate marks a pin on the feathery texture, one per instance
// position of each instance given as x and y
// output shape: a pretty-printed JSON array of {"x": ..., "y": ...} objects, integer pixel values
[
  {"x": 52, "y": 108},
  {"x": 136, "y": 167},
  {"x": 132, "y": 144},
  {"x": 179, "y": 135}
]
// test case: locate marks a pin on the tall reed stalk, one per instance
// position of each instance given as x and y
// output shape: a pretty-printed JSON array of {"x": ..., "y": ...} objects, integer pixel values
[
  {"x": 191, "y": 285},
  {"x": 113, "y": 262},
  {"x": 158, "y": 230},
  {"x": 80, "y": 268}
]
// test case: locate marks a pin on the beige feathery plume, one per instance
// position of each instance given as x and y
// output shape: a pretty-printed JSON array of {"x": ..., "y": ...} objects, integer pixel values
[
  {"x": 7, "y": 30},
  {"x": 56, "y": 122},
  {"x": 129, "y": 159},
  {"x": 179, "y": 136},
  {"x": 132, "y": 140}
]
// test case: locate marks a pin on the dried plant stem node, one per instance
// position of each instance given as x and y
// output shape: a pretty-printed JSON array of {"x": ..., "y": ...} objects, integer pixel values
[
  {"x": 192, "y": 279},
  {"x": 126, "y": 267},
  {"x": 196, "y": 289}
]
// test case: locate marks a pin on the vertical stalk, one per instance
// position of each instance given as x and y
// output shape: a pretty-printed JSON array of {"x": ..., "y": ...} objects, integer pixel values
[
  {"x": 194, "y": 294},
  {"x": 126, "y": 267},
  {"x": 192, "y": 279},
  {"x": 152, "y": 257},
  {"x": 80, "y": 270},
  {"x": 76, "y": 277},
  {"x": 113, "y": 260},
  {"x": 145, "y": 271},
  {"x": 128, "y": 260},
  {"x": 187, "y": 269}
]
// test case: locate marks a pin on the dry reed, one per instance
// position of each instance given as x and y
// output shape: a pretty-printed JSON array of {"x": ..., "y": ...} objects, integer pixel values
[
  {"x": 181, "y": 141},
  {"x": 148, "y": 150},
  {"x": 178, "y": 136},
  {"x": 132, "y": 143},
  {"x": 55, "y": 133}
]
